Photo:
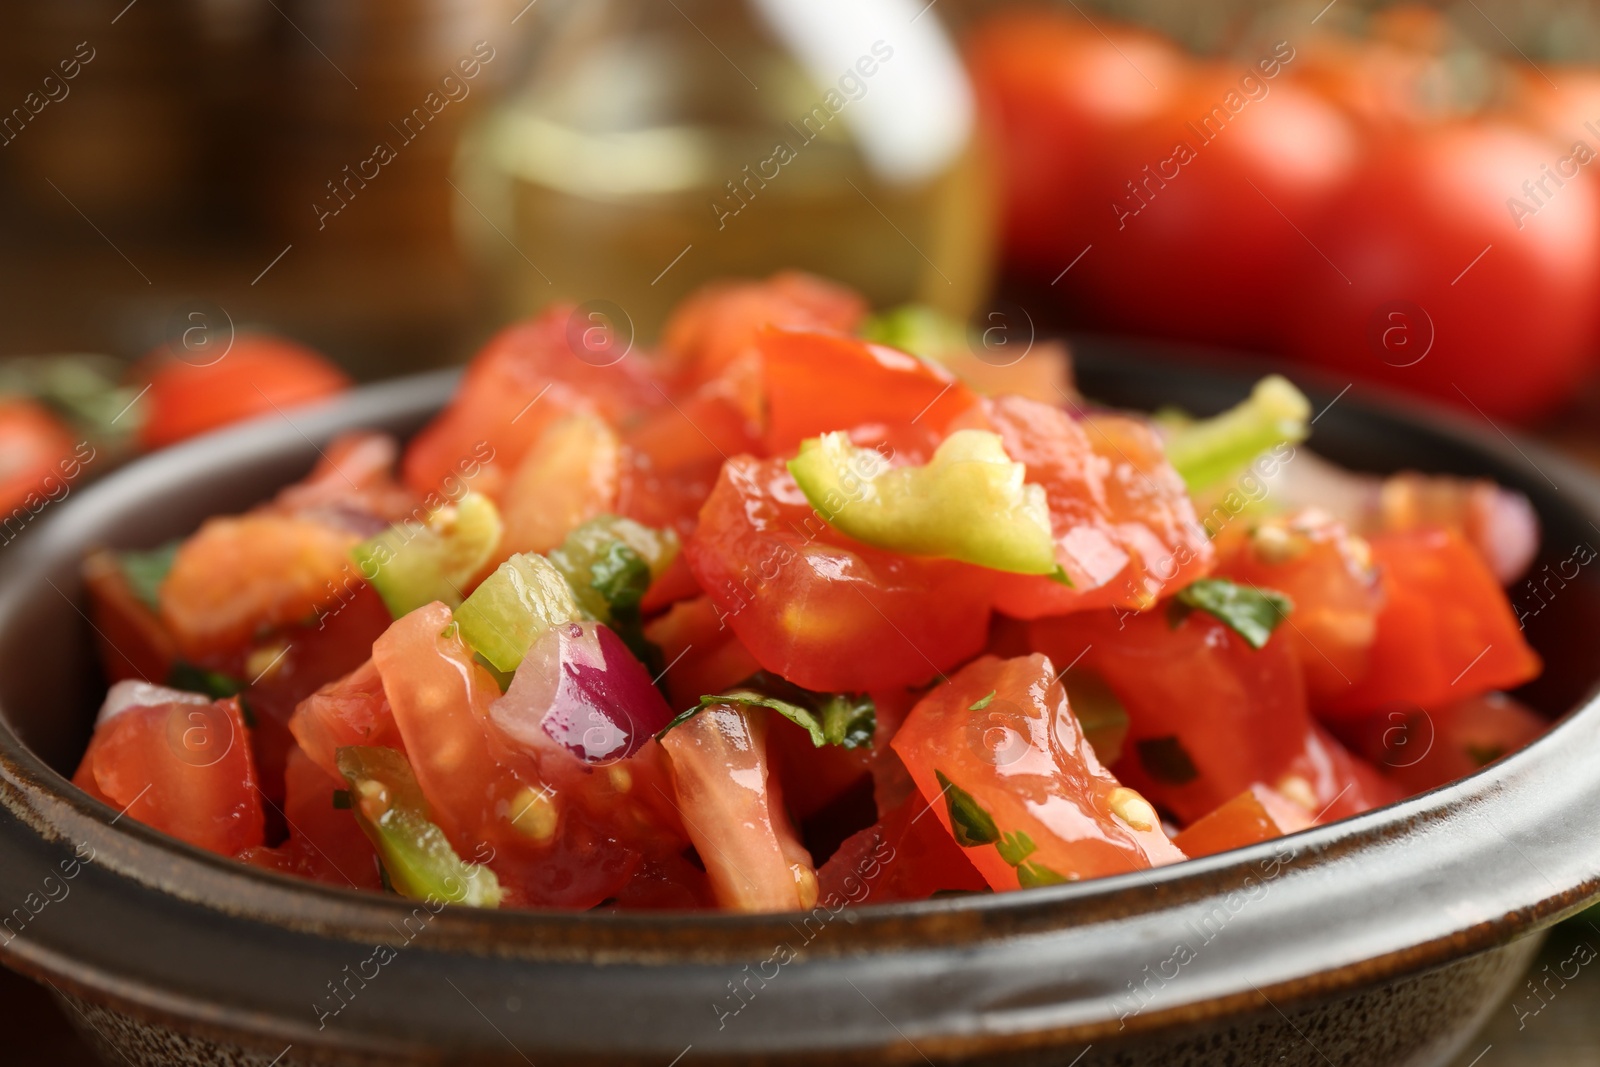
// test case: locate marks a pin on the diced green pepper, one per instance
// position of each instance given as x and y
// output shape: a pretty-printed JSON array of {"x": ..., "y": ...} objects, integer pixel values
[
  {"x": 610, "y": 562},
  {"x": 391, "y": 810},
  {"x": 413, "y": 563},
  {"x": 970, "y": 502},
  {"x": 1208, "y": 450},
  {"x": 917, "y": 329},
  {"x": 504, "y": 616}
]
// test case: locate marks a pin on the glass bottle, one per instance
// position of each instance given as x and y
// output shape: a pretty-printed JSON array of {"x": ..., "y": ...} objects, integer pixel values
[{"x": 645, "y": 146}]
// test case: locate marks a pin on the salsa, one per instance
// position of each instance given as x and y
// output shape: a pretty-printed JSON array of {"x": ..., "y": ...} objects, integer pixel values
[{"x": 806, "y": 604}]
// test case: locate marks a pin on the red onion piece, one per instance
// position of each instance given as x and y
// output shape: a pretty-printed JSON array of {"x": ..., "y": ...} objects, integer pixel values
[{"x": 581, "y": 688}]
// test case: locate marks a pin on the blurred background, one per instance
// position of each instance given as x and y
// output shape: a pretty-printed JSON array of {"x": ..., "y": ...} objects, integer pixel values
[
  {"x": 1401, "y": 194},
  {"x": 1398, "y": 192}
]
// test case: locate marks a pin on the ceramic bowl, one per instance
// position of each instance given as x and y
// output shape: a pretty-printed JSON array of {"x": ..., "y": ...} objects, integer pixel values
[{"x": 1381, "y": 940}]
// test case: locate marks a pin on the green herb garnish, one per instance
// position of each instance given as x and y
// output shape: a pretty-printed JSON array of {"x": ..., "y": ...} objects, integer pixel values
[{"x": 1249, "y": 611}]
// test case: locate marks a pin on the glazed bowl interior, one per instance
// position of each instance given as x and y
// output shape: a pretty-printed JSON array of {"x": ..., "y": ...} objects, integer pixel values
[{"x": 1079, "y": 941}]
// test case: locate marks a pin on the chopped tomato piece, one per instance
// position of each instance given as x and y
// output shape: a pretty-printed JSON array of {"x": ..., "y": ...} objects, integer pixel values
[
  {"x": 1328, "y": 574},
  {"x": 290, "y": 665},
  {"x": 1420, "y": 750},
  {"x": 1446, "y": 630},
  {"x": 528, "y": 376},
  {"x": 805, "y": 600},
  {"x": 568, "y": 476},
  {"x": 325, "y": 843},
  {"x": 704, "y": 656},
  {"x": 720, "y": 418},
  {"x": 134, "y": 643},
  {"x": 813, "y": 777},
  {"x": 998, "y": 754},
  {"x": 907, "y": 855},
  {"x": 183, "y": 768},
  {"x": 1260, "y": 813},
  {"x": 558, "y": 831},
  {"x": 666, "y": 883},
  {"x": 1124, "y": 526},
  {"x": 820, "y": 382},
  {"x": 732, "y": 806},
  {"x": 719, "y": 323},
  {"x": 350, "y": 711},
  {"x": 258, "y": 375},
  {"x": 1208, "y": 715},
  {"x": 1333, "y": 783},
  {"x": 240, "y": 575},
  {"x": 354, "y": 480}
]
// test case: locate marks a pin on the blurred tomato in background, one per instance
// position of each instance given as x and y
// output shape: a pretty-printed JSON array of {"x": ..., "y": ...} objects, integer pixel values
[{"x": 1388, "y": 201}]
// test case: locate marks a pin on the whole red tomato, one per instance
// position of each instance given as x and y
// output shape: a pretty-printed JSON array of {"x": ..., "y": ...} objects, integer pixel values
[
  {"x": 36, "y": 456},
  {"x": 258, "y": 375},
  {"x": 1201, "y": 224},
  {"x": 1060, "y": 95},
  {"x": 1450, "y": 279}
]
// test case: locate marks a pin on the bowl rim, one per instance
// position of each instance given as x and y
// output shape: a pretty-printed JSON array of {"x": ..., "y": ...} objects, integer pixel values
[{"x": 45, "y": 804}]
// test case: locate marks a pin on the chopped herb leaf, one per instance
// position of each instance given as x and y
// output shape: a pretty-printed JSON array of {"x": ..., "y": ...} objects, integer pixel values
[
  {"x": 801, "y": 717},
  {"x": 1248, "y": 611},
  {"x": 1015, "y": 847},
  {"x": 145, "y": 571},
  {"x": 680, "y": 718},
  {"x": 1060, "y": 576},
  {"x": 848, "y": 720},
  {"x": 971, "y": 824},
  {"x": 621, "y": 576},
  {"x": 982, "y": 702},
  {"x": 1030, "y": 875},
  {"x": 192, "y": 679},
  {"x": 845, "y": 719},
  {"x": 341, "y": 799},
  {"x": 1164, "y": 759}
]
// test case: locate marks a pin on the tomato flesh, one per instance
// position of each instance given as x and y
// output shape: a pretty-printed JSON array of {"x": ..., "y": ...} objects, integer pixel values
[
  {"x": 1209, "y": 716},
  {"x": 1023, "y": 760},
  {"x": 557, "y": 831},
  {"x": 914, "y": 400},
  {"x": 1258, "y": 814},
  {"x": 237, "y": 576},
  {"x": 907, "y": 855},
  {"x": 352, "y": 710},
  {"x": 567, "y": 477},
  {"x": 184, "y": 769},
  {"x": 325, "y": 843},
  {"x": 705, "y": 657},
  {"x": 1124, "y": 525},
  {"x": 1446, "y": 630},
  {"x": 1420, "y": 750},
  {"x": 528, "y": 376},
  {"x": 719, "y": 323},
  {"x": 1328, "y": 573},
  {"x": 732, "y": 806},
  {"x": 806, "y": 601}
]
